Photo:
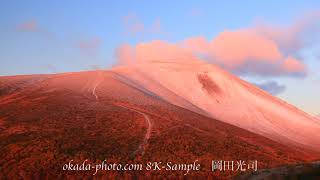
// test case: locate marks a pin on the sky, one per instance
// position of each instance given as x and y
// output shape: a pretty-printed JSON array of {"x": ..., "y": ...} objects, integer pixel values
[{"x": 273, "y": 44}]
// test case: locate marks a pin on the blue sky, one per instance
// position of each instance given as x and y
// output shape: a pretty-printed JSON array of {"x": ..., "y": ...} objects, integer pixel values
[{"x": 61, "y": 36}]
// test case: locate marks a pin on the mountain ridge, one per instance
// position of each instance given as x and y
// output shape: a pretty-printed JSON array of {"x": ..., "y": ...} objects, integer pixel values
[{"x": 269, "y": 116}]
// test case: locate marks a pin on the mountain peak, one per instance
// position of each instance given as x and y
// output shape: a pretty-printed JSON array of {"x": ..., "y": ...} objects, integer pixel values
[{"x": 225, "y": 97}]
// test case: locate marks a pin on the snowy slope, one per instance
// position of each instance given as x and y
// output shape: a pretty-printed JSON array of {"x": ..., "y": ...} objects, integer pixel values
[{"x": 197, "y": 85}]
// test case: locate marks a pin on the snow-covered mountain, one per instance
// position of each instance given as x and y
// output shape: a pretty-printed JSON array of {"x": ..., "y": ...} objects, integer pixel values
[{"x": 209, "y": 90}]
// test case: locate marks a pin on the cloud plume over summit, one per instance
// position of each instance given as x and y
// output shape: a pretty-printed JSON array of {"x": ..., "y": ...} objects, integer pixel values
[{"x": 262, "y": 49}]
